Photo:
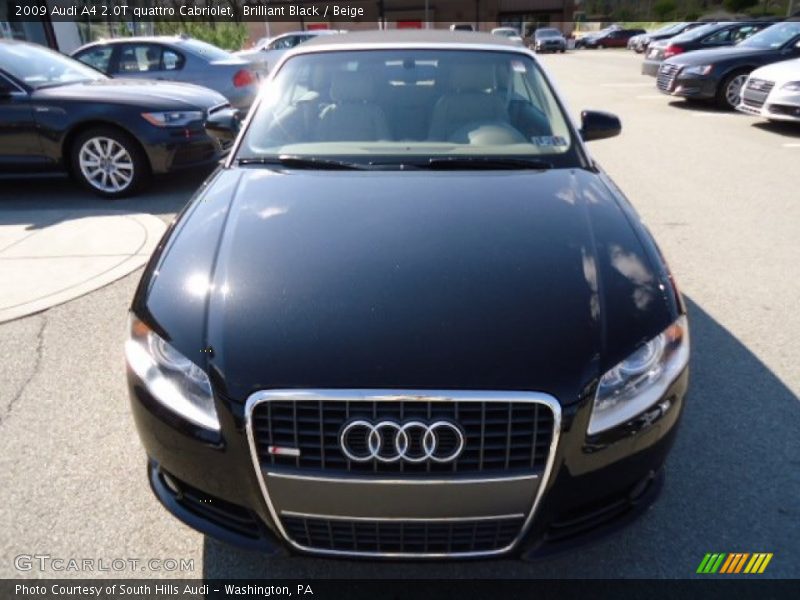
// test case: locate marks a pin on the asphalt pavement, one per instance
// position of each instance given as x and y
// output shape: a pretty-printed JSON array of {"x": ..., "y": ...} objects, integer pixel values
[{"x": 718, "y": 190}]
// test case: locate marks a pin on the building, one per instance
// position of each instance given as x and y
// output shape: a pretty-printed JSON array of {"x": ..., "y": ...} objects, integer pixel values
[
  {"x": 391, "y": 14},
  {"x": 63, "y": 35}
]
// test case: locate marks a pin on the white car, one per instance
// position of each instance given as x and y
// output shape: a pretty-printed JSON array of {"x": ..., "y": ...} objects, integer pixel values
[
  {"x": 509, "y": 33},
  {"x": 773, "y": 92},
  {"x": 268, "y": 51}
]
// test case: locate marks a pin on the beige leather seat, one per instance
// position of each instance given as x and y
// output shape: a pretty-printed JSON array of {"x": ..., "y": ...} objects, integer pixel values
[
  {"x": 472, "y": 99},
  {"x": 353, "y": 116}
]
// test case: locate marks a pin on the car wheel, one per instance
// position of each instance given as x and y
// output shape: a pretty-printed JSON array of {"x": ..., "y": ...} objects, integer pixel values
[
  {"x": 728, "y": 93},
  {"x": 109, "y": 162},
  {"x": 563, "y": 50}
]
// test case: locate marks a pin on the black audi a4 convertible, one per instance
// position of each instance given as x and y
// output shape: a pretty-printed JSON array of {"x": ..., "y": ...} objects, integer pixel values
[{"x": 409, "y": 317}]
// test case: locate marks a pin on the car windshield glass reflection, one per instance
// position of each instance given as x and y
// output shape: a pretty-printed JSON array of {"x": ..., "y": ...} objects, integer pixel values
[
  {"x": 773, "y": 37},
  {"x": 695, "y": 33},
  {"x": 40, "y": 67},
  {"x": 407, "y": 103},
  {"x": 547, "y": 33}
]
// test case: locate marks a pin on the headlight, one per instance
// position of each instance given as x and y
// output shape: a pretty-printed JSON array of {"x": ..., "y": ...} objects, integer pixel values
[
  {"x": 639, "y": 381},
  {"x": 170, "y": 377},
  {"x": 699, "y": 69},
  {"x": 792, "y": 86},
  {"x": 173, "y": 118}
]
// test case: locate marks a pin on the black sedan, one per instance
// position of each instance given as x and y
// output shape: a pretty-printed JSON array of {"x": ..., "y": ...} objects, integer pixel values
[
  {"x": 409, "y": 317},
  {"x": 615, "y": 38},
  {"x": 707, "y": 37},
  {"x": 720, "y": 74},
  {"x": 57, "y": 114},
  {"x": 642, "y": 42},
  {"x": 549, "y": 39}
]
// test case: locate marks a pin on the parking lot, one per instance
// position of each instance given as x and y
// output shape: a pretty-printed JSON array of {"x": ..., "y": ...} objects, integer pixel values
[{"x": 719, "y": 191}]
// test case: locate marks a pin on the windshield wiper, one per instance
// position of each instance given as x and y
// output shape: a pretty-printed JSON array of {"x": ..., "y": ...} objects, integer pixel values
[
  {"x": 484, "y": 162},
  {"x": 302, "y": 162}
]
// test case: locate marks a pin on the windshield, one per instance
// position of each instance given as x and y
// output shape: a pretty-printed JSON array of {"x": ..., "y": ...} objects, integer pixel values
[
  {"x": 423, "y": 103},
  {"x": 774, "y": 36},
  {"x": 206, "y": 50},
  {"x": 696, "y": 33},
  {"x": 668, "y": 28},
  {"x": 544, "y": 33},
  {"x": 39, "y": 67}
]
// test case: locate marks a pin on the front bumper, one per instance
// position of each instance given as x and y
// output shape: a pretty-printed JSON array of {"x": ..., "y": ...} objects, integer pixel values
[
  {"x": 673, "y": 80},
  {"x": 550, "y": 46},
  {"x": 776, "y": 105},
  {"x": 175, "y": 148},
  {"x": 216, "y": 484}
]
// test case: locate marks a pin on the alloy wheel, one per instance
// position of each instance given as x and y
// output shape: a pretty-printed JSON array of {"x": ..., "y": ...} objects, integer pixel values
[
  {"x": 734, "y": 89},
  {"x": 106, "y": 164}
]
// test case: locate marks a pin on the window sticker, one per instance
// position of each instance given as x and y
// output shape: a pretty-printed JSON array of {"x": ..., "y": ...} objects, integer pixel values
[{"x": 549, "y": 140}]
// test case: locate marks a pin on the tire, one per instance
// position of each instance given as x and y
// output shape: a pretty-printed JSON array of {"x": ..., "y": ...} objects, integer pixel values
[
  {"x": 109, "y": 162},
  {"x": 728, "y": 88}
]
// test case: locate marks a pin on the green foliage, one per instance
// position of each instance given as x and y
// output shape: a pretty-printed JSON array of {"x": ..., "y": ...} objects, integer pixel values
[
  {"x": 230, "y": 36},
  {"x": 736, "y": 6},
  {"x": 664, "y": 9}
]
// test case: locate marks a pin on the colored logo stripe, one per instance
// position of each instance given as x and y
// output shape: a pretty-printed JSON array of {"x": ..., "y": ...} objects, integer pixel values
[
  {"x": 758, "y": 563},
  {"x": 731, "y": 563}
]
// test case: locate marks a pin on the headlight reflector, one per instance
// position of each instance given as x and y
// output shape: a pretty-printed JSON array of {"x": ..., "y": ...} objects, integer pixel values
[
  {"x": 173, "y": 118},
  {"x": 172, "y": 379},
  {"x": 699, "y": 69},
  {"x": 639, "y": 381}
]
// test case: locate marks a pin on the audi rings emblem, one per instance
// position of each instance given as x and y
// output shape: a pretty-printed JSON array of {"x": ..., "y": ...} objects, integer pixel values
[{"x": 412, "y": 441}]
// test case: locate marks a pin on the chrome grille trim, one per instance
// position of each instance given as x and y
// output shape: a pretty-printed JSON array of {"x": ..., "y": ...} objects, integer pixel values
[
  {"x": 496, "y": 437},
  {"x": 302, "y": 515},
  {"x": 402, "y": 395},
  {"x": 760, "y": 85},
  {"x": 667, "y": 74}
]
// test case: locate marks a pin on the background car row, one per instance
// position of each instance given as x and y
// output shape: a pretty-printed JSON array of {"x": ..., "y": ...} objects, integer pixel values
[{"x": 713, "y": 64}]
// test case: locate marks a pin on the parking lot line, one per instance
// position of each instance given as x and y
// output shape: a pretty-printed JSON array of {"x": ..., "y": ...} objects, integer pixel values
[
  {"x": 716, "y": 114},
  {"x": 628, "y": 84}
]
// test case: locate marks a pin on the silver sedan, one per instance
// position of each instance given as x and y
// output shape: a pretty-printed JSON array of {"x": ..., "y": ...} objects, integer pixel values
[{"x": 176, "y": 58}]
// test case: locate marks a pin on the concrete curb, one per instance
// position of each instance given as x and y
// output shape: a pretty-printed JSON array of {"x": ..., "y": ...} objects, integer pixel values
[{"x": 48, "y": 257}]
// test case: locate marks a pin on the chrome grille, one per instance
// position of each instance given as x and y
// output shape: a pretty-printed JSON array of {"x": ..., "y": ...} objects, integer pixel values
[
  {"x": 500, "y": 437},
  {"x": 666, "y": 76},
  {"x": 760, "y": 85},
  {"x": 402, "y": 537},
  {"x": 755, "y": 93}
]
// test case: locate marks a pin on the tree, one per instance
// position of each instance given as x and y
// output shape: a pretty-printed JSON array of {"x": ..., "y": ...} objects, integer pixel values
[
  {"x": 664, "y": 9},
  {"x": 736, "y": 6}
]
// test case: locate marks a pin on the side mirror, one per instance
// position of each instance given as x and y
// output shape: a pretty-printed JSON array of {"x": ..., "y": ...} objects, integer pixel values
[
  {"x": 598, "y": 125},
  {"x": 223, "y": 124}
]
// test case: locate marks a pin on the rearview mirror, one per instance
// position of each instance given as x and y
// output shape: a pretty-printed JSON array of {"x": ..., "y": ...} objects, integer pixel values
[
  {"x": 598, "y": 125},
  {"x": 223, "y": 124}
]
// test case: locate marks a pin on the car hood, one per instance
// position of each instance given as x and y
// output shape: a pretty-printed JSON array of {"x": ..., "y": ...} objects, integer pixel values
[
  {"x": 714, "y": 55},
  {"x": 481, "y": 280},
  {"x": 782, "y": 72},
  {"x": 138, "y": 92}
]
